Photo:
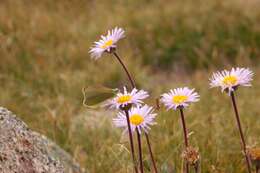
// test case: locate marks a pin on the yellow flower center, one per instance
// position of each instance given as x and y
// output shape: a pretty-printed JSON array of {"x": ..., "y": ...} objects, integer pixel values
[
  {"x": 107, "y": 44},
  {"x": 136, "y": 119},
  {"x": 178, "y": 99},
  {"x": 124, "y": 98},
  {"x": 230, "y": 80}
]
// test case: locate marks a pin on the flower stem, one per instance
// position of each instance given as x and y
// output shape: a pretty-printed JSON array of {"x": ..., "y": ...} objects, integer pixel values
[
  {"x": 185, "y": 135},
  {"x": 184, "y": 128},
  {"x": 151, "y": 153},
  {"x": 131, "y": 141},
  {"x": 257, "y": 169},
  {"x": 140, "y": 151},
  {"x": 240, "y": 130},
  {"x": 157, "y": 103},
  {"x": 196, "y": 168},
  {"x": 127, "y": 72},
  {"x": 134, "y": 86}
]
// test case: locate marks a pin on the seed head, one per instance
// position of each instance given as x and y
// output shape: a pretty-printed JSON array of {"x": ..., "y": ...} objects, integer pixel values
[{"x": 191, "y": 155}]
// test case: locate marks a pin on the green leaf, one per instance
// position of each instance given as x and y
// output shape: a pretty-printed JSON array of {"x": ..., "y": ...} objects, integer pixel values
[{"x": 94, "y": 96}]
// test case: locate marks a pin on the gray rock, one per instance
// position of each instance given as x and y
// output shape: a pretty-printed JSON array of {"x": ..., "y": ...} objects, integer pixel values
[{"x": 25, "y": 151}]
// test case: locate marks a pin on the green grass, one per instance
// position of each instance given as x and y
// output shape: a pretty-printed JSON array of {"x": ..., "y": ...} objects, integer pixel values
[{"x": 45, "y": 64}]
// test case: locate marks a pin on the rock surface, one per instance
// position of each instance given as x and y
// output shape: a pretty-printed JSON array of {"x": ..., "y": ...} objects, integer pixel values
[{"x": 25, "y": 151}]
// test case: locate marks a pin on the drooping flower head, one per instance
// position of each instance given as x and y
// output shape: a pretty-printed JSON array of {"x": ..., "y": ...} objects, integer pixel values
[
  {"x": 141, "y": 118},
  {"x": 230, "y": 80},
  {"x": 179, "y": 98},
  {"x": 133, "y": 98},
  {"x": 106, "y": 43}
]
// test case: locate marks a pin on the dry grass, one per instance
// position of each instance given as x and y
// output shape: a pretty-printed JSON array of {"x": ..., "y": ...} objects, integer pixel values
[{"x": 45, "y": 63}]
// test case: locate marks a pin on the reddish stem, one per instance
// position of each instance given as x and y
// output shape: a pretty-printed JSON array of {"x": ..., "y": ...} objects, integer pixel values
[
  {"x": 196, "y": 167},
  {"x": 240, "y": 131},
  {"x": 140, "y": 151},
  {"x": 131, "y": 141},
  {"x": 127, "y": 72},
  {"x": 151, "y": 153},
  {"x": 185, "y": 133},
  {"x": 133, "y": 86}
]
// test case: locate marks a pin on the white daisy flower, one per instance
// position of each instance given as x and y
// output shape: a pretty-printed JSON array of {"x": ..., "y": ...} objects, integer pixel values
[
  {"x": 134, "y": 98},
  {"x": 179, "y": 97},
  {"x": 106, "y": 43},
  {"x": 141, "y": 118},
  {"x": 230, "y": 80}
]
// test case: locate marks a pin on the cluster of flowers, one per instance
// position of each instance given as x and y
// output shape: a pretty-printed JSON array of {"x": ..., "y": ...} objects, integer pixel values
[{"x": 141, "y": 116}]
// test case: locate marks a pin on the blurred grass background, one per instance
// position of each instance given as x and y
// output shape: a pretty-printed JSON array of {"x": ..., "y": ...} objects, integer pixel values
[{"x": 44, "y": 64}]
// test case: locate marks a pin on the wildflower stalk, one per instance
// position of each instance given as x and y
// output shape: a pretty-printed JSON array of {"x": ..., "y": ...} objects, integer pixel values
[
  {"x": 196, "y": 168},
  {"x": 150, "y": 151},
  {"x": 131, "y": 141},
  {"x": 240, "y": 130},
  {"x": 185, "y": 135},
  {"x": 140, "y": 151},
  {"x": 127, "y": 72},
  {"x": 157, "y": 103},
  {"x": 133, "y": 86}
]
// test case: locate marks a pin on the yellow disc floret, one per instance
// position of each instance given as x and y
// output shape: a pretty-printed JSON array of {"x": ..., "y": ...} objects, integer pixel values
[
  {"x": 179, "y": 99},
  {"x": 107, "y": 44},
  {"x": 136, "y": 119},
  {"x": 124, "y": 99},
  {"x": 230, "y": 80}
]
